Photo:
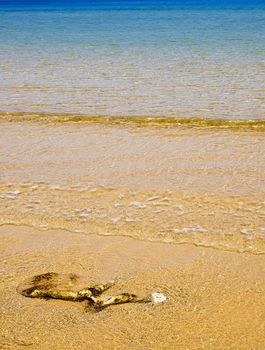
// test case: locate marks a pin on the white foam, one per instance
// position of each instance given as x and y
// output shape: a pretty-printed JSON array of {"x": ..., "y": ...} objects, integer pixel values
[{"x": 195, "y": 229}]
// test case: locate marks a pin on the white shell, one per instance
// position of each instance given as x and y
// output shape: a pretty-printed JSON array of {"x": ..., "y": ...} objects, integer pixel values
[{"x": 158, "y": 298}]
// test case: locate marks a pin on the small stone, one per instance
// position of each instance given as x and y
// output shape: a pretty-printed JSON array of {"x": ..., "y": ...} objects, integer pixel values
[{"x": 158, "y": 298}]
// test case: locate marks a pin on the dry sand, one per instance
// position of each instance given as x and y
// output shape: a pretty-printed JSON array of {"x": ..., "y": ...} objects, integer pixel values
[{"x": 215, "y": 299}]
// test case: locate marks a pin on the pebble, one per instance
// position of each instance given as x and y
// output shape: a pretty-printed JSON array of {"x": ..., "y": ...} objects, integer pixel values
[{"x": 158, "y": 298}]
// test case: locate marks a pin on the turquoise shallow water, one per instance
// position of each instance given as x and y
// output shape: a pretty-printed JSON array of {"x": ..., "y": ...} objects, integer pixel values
[{"x": 158, "y": 60}]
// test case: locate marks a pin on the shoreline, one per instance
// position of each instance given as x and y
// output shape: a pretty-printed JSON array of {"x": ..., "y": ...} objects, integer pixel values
[
  {"x": 215, "y": 299},
  {"x": 197, "y": 187},
  {"x": 199, "y": 122}
]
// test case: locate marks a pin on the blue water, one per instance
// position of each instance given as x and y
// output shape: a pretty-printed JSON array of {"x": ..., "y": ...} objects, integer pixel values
[
  {"x": 133, "y": 4},
  {"x": 159, "y": 58}
]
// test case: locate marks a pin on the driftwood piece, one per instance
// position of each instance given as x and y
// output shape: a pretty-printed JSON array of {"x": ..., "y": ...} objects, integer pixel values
[{"x": 54, "y": 286}]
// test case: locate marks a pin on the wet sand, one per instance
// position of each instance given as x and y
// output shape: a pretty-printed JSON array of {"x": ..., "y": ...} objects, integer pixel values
[
  {"x": 215, "y": 299},
  {"x": 181, "y": 185},
  {"x": 113, "y": 201}
]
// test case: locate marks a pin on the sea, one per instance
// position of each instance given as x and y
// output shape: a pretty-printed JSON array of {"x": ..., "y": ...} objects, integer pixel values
[{"x": 200, "y": 59}]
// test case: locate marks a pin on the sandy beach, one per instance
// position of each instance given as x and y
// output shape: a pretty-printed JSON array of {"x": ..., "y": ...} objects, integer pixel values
[
  {"x": 144, "y": 206},
  {"x": 215, "y": 299},
  {"x": 132, "y": 149}
]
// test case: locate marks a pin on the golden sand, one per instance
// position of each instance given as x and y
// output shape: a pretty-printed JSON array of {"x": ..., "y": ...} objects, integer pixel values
[
  {"x": 140, "y": 205},
  {"x": 215, "y": 300}
]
